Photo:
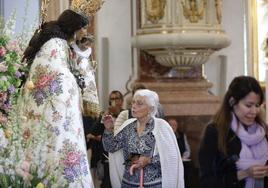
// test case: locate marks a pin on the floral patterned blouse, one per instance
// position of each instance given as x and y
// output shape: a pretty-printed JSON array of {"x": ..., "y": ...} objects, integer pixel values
[
  {"x": 51, "y": 120},
  {"x": 133, "y": 144}
]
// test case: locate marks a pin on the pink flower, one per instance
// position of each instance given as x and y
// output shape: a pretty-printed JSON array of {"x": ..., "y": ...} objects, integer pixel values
[
  {"x": 12, "y": 45},
  {"x": 72, "y": 159},
  {"x": 3, "y": 118},
  {"x": 17, "y": 65},
  {"x": 3, "y": 68},
  {"x": 43, "y": 81},
  {"x": 23, "y": 170},
  {"x": 2, "y": 51},
  {"x": 25, "y": 175},
  {"x": 25, "y": 165},
  {"x": 53, "y": 52},
  {"x": 3, "y": 96}
]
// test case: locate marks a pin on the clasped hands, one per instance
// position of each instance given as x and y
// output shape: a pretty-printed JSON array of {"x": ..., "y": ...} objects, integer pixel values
[
  {"x": 138, "y": 163},
  {"x": 257, "y": 171}
]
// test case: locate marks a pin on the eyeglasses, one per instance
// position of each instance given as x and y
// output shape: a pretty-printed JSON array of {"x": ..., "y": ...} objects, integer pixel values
[
  {"x": 115, "y": 98},
  {"x": 138, "y": 103}
]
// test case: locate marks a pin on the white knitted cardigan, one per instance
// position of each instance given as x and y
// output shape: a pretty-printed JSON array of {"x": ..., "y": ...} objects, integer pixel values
[{"x": 166, "y": 146}]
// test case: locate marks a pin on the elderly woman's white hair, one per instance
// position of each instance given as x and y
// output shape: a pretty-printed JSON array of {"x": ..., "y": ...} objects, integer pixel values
[{"x": 151, "y": 98}]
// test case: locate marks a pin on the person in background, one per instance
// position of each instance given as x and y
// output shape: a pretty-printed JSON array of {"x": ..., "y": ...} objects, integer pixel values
[
  {"x": 95, "y": 136},
  {"x": 185, "y": 150},
  {"x": 50, "y": 104},
  {"x": 234, "y": 149},
  {"x": 147, "y": 143},
  {"x": 98, "y": 156},
  {"x": 134, "y": 88},
  {"x": 115, "y": 107},
  {"x": 116, "y": 101},
  {"x": 181, "y": 138}
]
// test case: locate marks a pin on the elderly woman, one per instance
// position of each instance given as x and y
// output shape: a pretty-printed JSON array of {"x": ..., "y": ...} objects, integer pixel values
[{"x": 148, "y": 146}]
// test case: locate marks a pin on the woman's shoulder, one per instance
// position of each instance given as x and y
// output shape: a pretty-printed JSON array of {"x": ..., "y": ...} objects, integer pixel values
[
  {"x": 210, "y": 131},
  {"x": 211, "y": 126},
  {"x": 160, "y": 122},
  {"x": 54, "y": 48},
  {"x": 162, "y": 125},
  {"x": 56, "y": 43}
]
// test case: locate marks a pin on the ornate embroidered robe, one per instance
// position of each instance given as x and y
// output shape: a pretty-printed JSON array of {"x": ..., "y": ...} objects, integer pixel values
[{"x": 51, "y": 119}]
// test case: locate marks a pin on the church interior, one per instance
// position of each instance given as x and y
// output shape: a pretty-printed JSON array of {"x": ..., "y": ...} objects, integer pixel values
[{"x": 187, "y": 51}]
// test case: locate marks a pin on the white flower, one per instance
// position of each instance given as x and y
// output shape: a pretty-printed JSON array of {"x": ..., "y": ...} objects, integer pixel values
[
  {"x": 3, "y": 78},
  {"x": 3, "y": 140},
  {"x": 9, "y": 27}
]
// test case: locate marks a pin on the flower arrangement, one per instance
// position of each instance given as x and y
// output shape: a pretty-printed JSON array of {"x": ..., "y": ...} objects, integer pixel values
[
  {"x": 23, "y": 172},
  {"x": 16, "y": 139},
  {"x": 11, "y": 68}
]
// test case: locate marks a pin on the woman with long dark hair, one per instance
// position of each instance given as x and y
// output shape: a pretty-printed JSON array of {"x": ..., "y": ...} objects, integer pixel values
[
  {"x": 234, "y": 150},
  {"x": 50, "y": 117}
]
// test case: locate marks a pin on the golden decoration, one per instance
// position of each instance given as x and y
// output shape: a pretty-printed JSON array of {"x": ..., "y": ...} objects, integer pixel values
[
  {"x": 29, "y": 85},
  {"x": 43, "y": 13},
  {"x": 87, "y": 7},
  {"x": 192, "y": 11},
  {"x": 155, "y": 10},
  {"x": 218, "y": 5}
]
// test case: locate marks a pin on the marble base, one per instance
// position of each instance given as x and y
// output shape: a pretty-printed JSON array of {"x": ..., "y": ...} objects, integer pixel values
[{"x": 186, "y": 97}]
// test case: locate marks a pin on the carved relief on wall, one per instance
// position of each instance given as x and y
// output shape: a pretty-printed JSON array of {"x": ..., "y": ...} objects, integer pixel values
[
  {"x": 218, "y": 6},
  {"x": 258, "y": 38},
  {"x": 192, "y": 10},
  {"x": 155, "y": 10},
  {"x": 150, "y": 70}
]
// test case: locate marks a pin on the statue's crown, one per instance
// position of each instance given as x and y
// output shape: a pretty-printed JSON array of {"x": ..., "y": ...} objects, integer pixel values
[{"x": 86, "y": 7}]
